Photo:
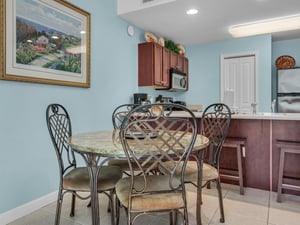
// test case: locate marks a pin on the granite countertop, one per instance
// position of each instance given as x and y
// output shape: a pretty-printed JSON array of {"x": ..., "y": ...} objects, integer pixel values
[
  {"x": 257, "y": 116},
  {"x": 107, "y": 143},
  {"x": 267, "y": 116}
]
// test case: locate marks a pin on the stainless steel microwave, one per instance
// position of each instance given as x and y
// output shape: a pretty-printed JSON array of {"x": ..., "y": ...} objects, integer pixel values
[{"x": 178, "y": 80}]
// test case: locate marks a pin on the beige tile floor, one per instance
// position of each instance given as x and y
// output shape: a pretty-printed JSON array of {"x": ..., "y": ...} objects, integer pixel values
[{"x": 256, "y": 207}]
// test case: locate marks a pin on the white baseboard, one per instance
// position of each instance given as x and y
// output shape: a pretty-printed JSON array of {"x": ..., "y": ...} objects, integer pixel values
[{"x": 27, "y": 208}]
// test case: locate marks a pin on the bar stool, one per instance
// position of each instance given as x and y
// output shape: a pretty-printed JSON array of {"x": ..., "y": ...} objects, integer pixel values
[
  {"x": 238, "y": 144},
  {"x": 286, "y": 147}
]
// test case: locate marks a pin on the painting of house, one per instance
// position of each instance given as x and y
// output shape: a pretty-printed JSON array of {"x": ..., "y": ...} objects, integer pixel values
[{"x": 42, "y": 41}]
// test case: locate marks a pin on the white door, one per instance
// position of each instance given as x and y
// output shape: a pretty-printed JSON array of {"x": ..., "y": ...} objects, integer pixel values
[{"x": 238, "y": 82}]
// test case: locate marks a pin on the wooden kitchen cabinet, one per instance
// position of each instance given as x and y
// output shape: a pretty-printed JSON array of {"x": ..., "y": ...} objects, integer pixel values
[
  {"x": 154, "y": 63},
  {"x": 166, "y": 67},
  {"x": 176, "y": 61},
  {"x": 151, "y": 67},
  {"x": 185, "y": 66},
  {"x": 186, "y": 69}
]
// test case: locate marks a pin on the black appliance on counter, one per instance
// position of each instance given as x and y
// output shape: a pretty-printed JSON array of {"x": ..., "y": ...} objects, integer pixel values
[
  {"x": 163, "y": 99},
  {"x": 179, "y": 103},
  {"x": 139, "y": 98},
  {"x": 288, "y": 90}
]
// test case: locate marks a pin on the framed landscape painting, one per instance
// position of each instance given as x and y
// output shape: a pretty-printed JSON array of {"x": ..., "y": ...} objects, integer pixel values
[{"x": 45, "y": 41}]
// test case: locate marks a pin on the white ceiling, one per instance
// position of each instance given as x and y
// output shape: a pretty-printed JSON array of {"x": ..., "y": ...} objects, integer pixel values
[{"x": 167, "y": 18}]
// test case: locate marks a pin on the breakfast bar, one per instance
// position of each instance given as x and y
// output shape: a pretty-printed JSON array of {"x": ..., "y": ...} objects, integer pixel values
[{"x": 261, "y": 155}]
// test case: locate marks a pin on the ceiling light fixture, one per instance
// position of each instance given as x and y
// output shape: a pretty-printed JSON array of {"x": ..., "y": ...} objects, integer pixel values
[
  {"x": 192, "y": 11},
  {"x": 266, "y": 26}
]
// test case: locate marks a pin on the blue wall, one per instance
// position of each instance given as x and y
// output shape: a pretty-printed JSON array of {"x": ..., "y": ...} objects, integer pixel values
[
  {"x": 205, "y": 68},
  {"x": 28, "y": 166}
]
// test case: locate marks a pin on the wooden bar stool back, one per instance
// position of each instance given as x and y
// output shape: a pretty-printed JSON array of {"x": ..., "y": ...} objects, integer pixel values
[
  {"x": 286, "y": 147},
  {"x": 238, "y": 144}
]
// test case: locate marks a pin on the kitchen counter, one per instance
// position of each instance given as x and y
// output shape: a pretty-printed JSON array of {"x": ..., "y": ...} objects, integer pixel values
[
  {"x": 261, "y": 154},
  {"x": 252, "y": 116},
  {"x": 267, "y": 116}
]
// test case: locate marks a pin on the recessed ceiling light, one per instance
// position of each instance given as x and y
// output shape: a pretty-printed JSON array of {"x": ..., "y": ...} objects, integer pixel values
[
  {"x": 192, "y": 11},
  {"x": 266, "y": 26}
]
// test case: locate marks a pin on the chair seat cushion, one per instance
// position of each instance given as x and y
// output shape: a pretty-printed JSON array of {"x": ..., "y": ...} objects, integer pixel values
[
  {"x": 153, "y": 201},
  {"x": 123, "y": 164},
  {"x": 209, "y": 172},
  {"x": 78, "y": 178},
  {"x": 191, "y": 172}
]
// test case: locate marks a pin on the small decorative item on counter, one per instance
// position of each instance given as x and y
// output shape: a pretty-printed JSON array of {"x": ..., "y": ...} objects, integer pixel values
[
  {"x": 181, "y": 49},
  {"x": 285, "y": 62},
  {"x": 150, "y": 37},
  {"x": 161, "y": 41},
  {"x": 195, "y": 108},
  {"x": 158, "y": 99}
]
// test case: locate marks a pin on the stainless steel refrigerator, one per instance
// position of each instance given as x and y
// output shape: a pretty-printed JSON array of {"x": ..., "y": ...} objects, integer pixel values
[{"x": 288, "y": 90}]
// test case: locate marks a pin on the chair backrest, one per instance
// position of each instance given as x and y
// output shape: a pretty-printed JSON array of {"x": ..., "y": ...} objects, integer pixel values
[
  {"x": 59, "y": 126},
  {"x": 120, "y": 113},
  {"x": 215, "y": 124},
  {"x": 152, "y": 135}
]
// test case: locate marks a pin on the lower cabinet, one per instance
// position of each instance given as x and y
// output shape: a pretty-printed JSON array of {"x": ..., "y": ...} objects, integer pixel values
[{"x": 261, "y": 159}]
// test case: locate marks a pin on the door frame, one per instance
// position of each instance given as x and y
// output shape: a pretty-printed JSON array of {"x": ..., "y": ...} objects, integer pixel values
[{"x": 239, "y": 55}]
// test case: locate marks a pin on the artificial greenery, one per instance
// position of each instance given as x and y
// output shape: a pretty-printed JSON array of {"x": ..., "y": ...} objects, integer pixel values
[{"x": 172, "y": 46}]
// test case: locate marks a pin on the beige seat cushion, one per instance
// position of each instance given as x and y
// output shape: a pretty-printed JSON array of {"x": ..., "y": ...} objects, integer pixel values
[
  {"x": 209, "y": 172},
  {"x": 123, "y": 164},
  {"x": 151, "y": 201},
  {"x": 191, "y": 175},
  {"x": 78, "y": 178}
]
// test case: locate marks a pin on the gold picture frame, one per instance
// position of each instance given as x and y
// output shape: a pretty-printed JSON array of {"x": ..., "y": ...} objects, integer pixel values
[{"x": 44, "y": 41}]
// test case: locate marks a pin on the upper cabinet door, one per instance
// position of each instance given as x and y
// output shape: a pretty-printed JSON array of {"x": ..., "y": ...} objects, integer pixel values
[
  {"x": 150, "y": 66},
  {"x": 157, "y": 65},
  {"x": 173, "y": 60},
  {"x": 166, "y": 66},
  {"x": 176, "y": 61}
]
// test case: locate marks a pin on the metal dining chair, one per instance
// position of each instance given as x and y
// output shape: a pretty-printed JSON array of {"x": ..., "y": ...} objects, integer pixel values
[
  {"x": 155, "y": 135},
  {"x": 118, "y": 115},
  {"x": 214, "y": 125},
  {"x": 75, "y": 179}
]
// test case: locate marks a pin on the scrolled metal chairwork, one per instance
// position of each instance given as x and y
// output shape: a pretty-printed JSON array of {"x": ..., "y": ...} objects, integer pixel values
[
  {"x": 75, "y": 179},
  {"x": 151, "y": 136},
  {"x": 118, "y": 115},
  {"x": 215, "y": 123}
]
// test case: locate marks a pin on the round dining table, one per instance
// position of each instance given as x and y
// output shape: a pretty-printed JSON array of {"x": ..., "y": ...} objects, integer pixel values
[{"x": 98, "y": 147}]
